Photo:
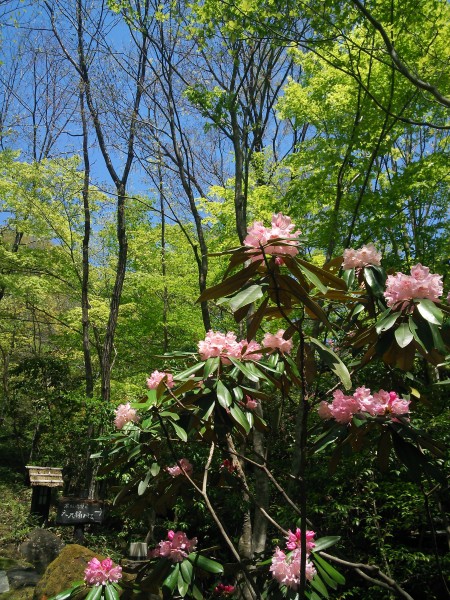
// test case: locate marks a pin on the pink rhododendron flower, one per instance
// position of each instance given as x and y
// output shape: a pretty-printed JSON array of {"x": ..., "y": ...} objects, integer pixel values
[
  {"x": 343, "y": 407},
  {"x": 324, "y": 410},
  {"x": 101, "y": 573},
  {"x": 251, "y": 403},
  {"x": 275, "y": 341},
  {"x": 286, "y": 568},
  {"x": 381, "y": 403},
  {"x": 125, "y": 414},
  {"x": 294, "y": 540},
  {"x": 177, "y": 470},
  {"x": 367, "y": 255},
  {"x": 157, "y": 376},
  {"x": 260, "y": 236},
  {"x": 401, "y": 288},
  {"x": 225, "y": 345},
  {"x": 176, "y": 547}
]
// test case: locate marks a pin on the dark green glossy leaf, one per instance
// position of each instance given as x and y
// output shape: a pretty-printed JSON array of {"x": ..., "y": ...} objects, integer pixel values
[
  {"x": 211, "y": 365},
  {"x": 188, "y": 372},
  {"x": 111, "y": 592},
  {"x": 319, "y": 586},
  {"x": 223, "y": 395},
  {"x": 244, "y": 369},
  {"x": 245, "y": 297},
  {"x": 95, "y": 593},
  {"x": 333, "y": 361},
  {"x": 403, "y": 335},
  {"x": 172, "y": 579},
  {"x": 314, "y": 279},
  {"x": 187, "y": 570},
  {"x": 179, "y": 431},
  {"x": 387, "y": 322},
  {"x": 331, "y": 571},
  {"x": 430, "y": 312},
  {"x": 182, "y": 585},
  {"x": 325, "y": 542},
  {"x": 207, "y": 564},
  {"x": 239, "y": 417}
]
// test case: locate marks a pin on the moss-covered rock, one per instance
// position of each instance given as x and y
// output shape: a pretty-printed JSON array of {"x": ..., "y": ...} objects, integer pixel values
[{"x": 64, "y": 571}]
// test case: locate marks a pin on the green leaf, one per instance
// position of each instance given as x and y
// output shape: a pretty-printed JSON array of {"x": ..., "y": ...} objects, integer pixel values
[
  {"x": 247, "y": 296},
  {"x": 387, "y": 322},
  {"x": 223, "y": 395},
  {"x": 179, "y": 431},
  {"x": 318, "y": 584},
  {"x": 374, "y": 280},
  {"x": 188, "y": 372},
  {"x": 155, "y": 469},
  {"x": 211, "y": 365},
  {"x": 430, "y": 312},
  {"x": 172, "y": 579},
  {"x": 67, "y": 593},
  {"x": 95, "y": 593},
  {"x": 244, "y": 369},
  {"x": 334, "y": 362},
  {"x": 187, "y": 570},
  {"x": 196, "y": 593},
  {"x": 111, "y": 592},
  {"x": 207, "y": 564},
  {"x": 331, "y": 571},
  {"x": 325, "y": 542},
  {"x": 144, "y": 483},
  {"x": 314, "y": 279},
  {"x": 403, "y": 335},
  {"x": 240, "y": 417},
  {"x": 182, "y": 585}
]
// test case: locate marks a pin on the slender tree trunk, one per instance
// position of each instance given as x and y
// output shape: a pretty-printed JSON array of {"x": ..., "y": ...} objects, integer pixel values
[
  {"x": 108, "y": 345},
  {"x": 89, "y": 378}
]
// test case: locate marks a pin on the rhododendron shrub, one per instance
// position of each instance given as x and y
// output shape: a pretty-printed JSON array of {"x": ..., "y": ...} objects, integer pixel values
[{"x": 283, "y": 369}]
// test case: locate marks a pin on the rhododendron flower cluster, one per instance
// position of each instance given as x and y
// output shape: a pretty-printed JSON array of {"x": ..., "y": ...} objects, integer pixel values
[
  {"x": 276, "y": 341},
  {"x": 101, "y": 573},
  {"x": 285, "y": 567},
  {"x": 125, "y": 414},
  {"x": 258, "y": 235},
  {"x": 401, "y": 288},
  {"x": 381, "y": 403},
  {"x": 177, "y": 470},
  {"x": 176, "y": 548},
  {"x": 363, "y": 257},
  {"x": 225, "y": 345},
  {"x": 224, "y": 590},
  {"x": 157, "y": 376}
]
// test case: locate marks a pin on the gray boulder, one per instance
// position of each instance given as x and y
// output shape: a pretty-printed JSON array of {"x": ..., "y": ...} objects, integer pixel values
[
  {"x": 21, "y": 577},
  {"x": 41, "y": 548}
]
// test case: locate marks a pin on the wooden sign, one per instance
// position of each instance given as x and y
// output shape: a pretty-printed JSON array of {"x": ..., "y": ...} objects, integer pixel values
[
  {"x": 45, "y": 476},
  {"x": 76, "y": 511}
]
